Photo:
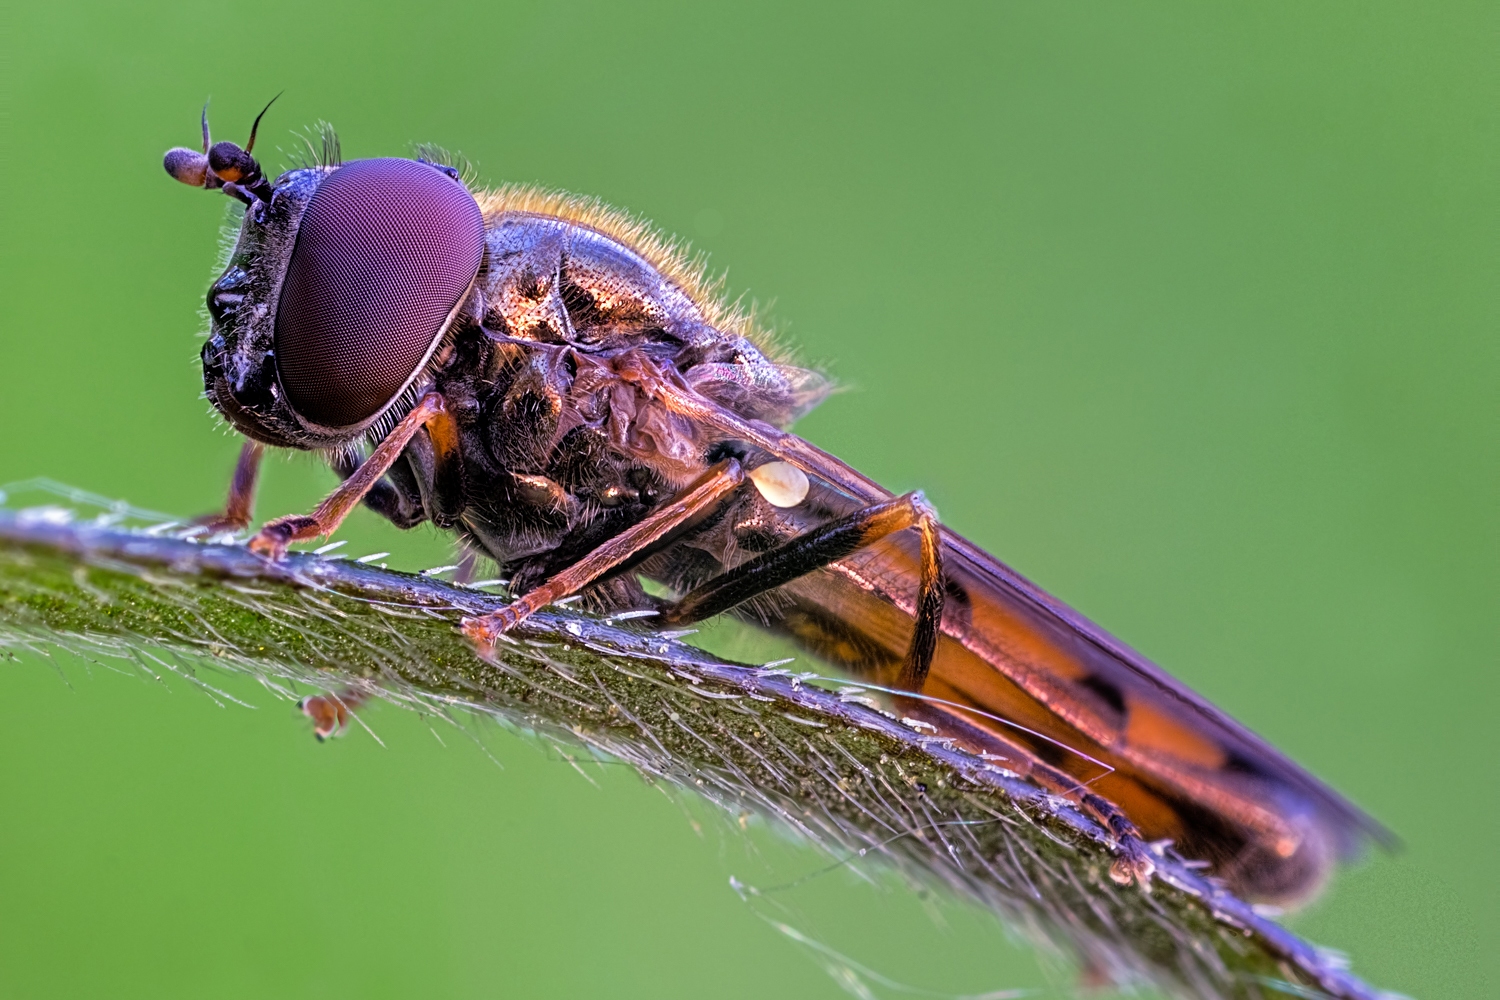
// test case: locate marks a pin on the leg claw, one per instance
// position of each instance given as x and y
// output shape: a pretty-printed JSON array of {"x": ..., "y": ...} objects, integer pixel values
[
  {"x": 484, "y": 632},
  {"x": 476, "y": 630},
  {"x": 1134, "y": 865},
  {"x": 272, "y": 540}
]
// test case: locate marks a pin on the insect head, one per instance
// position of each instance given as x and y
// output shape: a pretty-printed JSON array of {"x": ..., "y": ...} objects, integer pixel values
[{"x": 344, "y": 281}]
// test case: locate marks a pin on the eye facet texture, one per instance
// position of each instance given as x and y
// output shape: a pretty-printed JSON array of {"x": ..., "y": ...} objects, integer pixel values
[{"x": 384, "y": 252}]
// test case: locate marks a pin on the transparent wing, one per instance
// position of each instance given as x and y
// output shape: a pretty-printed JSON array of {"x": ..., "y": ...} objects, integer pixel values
[{"x": 776, "y": 394}]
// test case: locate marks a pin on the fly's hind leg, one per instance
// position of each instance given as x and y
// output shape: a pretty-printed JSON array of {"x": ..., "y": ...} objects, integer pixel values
[
  {"x": 828, "y": 544},
  {"x": 1134, "y": 861},
  {"x": 240, "y": 505}
]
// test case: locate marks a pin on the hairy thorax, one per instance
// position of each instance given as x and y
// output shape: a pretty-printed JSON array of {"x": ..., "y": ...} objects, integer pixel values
[{"x": 543, "y": 372}]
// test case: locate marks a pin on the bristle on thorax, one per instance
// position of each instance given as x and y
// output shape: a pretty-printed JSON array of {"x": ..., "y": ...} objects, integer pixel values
[{"x": 673, "y": 258}]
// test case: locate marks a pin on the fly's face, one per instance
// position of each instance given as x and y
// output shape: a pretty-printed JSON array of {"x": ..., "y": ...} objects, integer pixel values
[
  {"x": 239, "y": 359},
  {"x": 342, "y": 283}
]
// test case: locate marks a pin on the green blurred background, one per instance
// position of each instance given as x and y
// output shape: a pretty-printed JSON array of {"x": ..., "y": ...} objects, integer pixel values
[{"x": 1186, "y": 312}]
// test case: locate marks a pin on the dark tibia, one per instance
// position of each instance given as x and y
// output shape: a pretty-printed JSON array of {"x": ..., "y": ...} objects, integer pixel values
[
  {"x": 241, "y": 503},
  {"x": 930, "y": 597},
  {"x": 828, "y": 544}
]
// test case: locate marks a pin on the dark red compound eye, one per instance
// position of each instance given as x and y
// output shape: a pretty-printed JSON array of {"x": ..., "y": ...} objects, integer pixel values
[{"x": 385, "y": 251}]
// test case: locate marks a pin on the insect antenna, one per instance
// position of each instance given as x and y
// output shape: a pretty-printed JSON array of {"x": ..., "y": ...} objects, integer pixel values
[
  {"x": 254, "y": 126},
  {"x": 222, "y": 166},
  {"x": 190, "y": 166}
]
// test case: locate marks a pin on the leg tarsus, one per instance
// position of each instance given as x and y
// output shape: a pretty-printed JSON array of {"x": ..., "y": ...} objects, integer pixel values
[
  {"x": 274, "y": 537},
  {"x": 486, "y": 630},
  {"x": 1135, "y": 862}
]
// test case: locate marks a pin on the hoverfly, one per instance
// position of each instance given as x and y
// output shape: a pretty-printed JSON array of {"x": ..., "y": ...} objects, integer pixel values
[{"x": 559, "y": 386}]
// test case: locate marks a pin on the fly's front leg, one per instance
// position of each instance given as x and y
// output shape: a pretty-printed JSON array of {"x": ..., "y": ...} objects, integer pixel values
[
  {"x": 659, "y": 528},
  {"x": 828, "y": 544},
  {"x": 273, "y": 539},
  {"x": 241, "y": 503}
]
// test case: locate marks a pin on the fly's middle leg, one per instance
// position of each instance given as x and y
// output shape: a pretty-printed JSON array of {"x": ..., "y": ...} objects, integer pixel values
[
  {"x": 828, "y": 544},
  {"x": 660, "y": 528}
]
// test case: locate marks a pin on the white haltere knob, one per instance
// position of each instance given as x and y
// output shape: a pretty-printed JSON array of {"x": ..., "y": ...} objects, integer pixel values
[{"x": 781, "y": 483}]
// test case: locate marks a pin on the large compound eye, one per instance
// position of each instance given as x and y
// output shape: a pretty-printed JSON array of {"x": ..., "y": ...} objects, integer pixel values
[{"x": 385, "y": 250}]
